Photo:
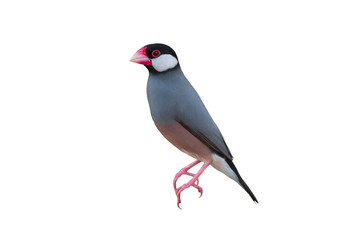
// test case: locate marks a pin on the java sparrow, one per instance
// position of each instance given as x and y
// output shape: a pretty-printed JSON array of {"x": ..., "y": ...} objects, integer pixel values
[{"x": 182, "y": 118}]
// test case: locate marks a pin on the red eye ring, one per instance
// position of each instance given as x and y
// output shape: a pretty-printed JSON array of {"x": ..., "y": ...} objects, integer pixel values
[{"x": 155, "y": 53}]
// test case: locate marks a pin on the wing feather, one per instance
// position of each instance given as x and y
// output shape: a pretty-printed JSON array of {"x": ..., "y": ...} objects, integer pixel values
[{"x": 194, "y": 117}]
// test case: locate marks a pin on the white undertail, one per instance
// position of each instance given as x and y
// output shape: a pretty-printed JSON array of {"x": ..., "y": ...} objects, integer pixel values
[{"x": 220, "y": 164}]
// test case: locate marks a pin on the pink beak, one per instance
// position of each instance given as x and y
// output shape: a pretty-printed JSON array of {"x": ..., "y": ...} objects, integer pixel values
[{"x": 140, "y": 57}]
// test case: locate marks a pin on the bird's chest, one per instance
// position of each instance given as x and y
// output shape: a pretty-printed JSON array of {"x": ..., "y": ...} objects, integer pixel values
[{"x": 163, "y": 101}]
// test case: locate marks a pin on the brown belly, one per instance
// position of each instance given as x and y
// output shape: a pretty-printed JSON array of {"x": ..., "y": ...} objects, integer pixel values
[{"x": 185, "y": 141}]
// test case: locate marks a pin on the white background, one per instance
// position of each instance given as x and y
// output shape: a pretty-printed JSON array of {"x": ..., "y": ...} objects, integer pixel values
[{"x": 80, "y": 157}]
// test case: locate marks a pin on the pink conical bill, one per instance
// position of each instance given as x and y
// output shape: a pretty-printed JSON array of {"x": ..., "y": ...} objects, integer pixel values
[{"x": 141, "y": 57}]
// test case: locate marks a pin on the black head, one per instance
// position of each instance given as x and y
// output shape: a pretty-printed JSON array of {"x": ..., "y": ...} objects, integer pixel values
[{"x": 156, "y": 57}]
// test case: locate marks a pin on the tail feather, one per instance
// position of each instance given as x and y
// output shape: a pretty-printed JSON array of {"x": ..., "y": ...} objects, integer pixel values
[
  {"x": 241, "y": 181},
  {"x": 227, "y": 167}
]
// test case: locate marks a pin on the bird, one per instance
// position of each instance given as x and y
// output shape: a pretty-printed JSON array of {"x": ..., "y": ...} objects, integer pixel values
[{"x": 182, "y": 118}]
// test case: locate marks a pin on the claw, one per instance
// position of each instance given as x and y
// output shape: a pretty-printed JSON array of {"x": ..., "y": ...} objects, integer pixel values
[
  {"x": 198, "y": 188},
  {"x": 179, "y": 190},
  {"x": 178, "y": 204}
]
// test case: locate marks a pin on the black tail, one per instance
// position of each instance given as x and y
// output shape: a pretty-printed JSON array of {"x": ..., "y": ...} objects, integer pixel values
[{"x": 241, "y": 181}]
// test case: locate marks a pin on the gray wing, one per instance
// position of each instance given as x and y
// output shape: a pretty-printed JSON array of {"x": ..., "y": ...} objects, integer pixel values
[{"x": 192, "y": 115}]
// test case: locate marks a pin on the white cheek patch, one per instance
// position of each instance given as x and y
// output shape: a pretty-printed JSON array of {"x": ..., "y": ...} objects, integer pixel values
[{"x": 164, "y": 62}]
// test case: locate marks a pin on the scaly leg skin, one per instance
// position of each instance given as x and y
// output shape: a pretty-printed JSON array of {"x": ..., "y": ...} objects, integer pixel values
[
  {"x": 185, "y": 171},
  {"x": 191, "y": 182},
  {"x": 195, "y": 185}
]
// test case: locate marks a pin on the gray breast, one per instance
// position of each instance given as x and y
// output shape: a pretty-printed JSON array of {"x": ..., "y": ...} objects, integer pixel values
[{"x": 164, "y": 91}]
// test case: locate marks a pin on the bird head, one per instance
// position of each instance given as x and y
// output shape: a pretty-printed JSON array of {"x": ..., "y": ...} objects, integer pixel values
[{"x": 156, "y": 57}]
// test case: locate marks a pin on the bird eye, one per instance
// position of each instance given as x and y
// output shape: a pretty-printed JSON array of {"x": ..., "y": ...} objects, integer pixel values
[{"x": 155, "y": 53}]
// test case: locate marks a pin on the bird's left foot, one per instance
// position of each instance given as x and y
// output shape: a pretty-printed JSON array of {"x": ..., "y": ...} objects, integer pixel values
[
  {"x": 185, "y": 186},
  {"x": 192, "y": 182},
  {"x": 184, "y": 171}
]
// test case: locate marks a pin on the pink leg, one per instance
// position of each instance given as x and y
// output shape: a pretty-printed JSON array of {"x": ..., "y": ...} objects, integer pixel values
[
  {"x": 185, "y": 171},
  {"x": 191, "y": 182},
  {"x": 195, "y": 185}
]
